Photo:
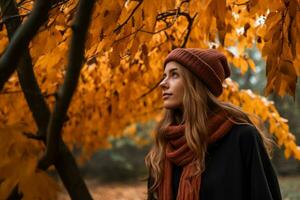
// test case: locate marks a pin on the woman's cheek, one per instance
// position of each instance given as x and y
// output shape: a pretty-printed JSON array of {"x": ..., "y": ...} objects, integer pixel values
[{"x": 172, "y": 102}]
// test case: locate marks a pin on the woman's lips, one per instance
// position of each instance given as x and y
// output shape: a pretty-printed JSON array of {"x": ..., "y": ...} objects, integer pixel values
[{"x": 166, "y": 96}]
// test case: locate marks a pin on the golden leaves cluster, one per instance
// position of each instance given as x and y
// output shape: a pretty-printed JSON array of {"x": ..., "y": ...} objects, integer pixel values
[
  {"x": 19, "y": 157},
  {"x": 265, "y": 110},
  {"x": 127, "y": 42},
  {"x": 282, "y": 47}
]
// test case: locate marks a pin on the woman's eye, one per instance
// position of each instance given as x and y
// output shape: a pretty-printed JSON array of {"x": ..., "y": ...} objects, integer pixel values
[{"x": 174, "y": 74}]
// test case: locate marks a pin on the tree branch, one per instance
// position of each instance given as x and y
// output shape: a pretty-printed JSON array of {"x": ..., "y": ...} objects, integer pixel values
[
  {"x": 118, "y": 28},
  {"x": 37, "y": 136},
  {"x": 151, "y": 90},
  {"x": 6, "y": 19},
  {"x": 30, "y": 93},
  {"x": 189, "y": 29},
  {"x": 14, "y": 194},
  {"x": 130, "y": 34},
  {"x": 21, "y": 39},
  {"x": 58, "y": 3},
  {"x": 163, "y": 16},
  {"x": 65, "y": 92}
]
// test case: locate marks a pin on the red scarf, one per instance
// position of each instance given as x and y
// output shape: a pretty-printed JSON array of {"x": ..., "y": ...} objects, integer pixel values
[{"x": 178, "y": 153}]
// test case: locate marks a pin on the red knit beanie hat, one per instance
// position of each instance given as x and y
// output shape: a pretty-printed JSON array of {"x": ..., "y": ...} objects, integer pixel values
[{"x": 208, "y": 64}]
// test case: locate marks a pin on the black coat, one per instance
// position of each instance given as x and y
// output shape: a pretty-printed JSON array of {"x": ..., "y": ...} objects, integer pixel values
[{"x": 237, "y": 168}]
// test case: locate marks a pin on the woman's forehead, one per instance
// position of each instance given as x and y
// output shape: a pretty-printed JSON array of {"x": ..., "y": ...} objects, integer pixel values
[{"x": 171, "y": 66}]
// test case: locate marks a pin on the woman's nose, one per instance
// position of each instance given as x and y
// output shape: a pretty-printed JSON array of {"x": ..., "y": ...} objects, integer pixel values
[{"x": 163, "y": 83}]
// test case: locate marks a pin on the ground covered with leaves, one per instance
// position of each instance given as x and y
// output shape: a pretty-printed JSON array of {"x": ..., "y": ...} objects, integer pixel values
[{"x": 290, "y": 189}]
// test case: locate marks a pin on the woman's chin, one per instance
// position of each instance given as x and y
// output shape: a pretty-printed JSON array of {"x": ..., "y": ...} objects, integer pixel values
[{"x": 168, "y": 105}]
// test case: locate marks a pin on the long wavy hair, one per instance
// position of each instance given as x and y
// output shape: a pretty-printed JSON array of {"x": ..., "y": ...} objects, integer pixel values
[{"x": 198, "y": 103}]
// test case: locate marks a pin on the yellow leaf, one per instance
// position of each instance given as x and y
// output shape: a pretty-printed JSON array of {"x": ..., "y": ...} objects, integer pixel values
[
  {"x": 297, "y": 153},
  {"x": 296, "y": 64},
  {"x": 251, "y": 64},
  {"x": 243, "y": 66},
  {"x": 39, "y": 185},
  {"x": 272, "y": 23},
  {"x": 60, "y": 28},
  {"x": 287, "y": 153}
]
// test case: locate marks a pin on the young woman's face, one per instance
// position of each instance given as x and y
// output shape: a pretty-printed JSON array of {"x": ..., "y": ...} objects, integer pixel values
[{"x": 172, "y": 86}]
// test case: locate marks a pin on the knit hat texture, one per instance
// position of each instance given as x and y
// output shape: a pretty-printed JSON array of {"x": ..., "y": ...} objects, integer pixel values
[{"x": 209, "y": 65}]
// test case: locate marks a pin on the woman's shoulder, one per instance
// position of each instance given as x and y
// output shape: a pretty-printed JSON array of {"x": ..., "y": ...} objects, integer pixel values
[
  {"x": 246, "y": 135},
  {"x": 239, "y": 135},
  {"x": 244, "y": 131}
]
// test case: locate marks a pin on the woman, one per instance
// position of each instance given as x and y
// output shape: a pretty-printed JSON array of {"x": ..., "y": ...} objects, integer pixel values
[{"x": 205, "y": 148}]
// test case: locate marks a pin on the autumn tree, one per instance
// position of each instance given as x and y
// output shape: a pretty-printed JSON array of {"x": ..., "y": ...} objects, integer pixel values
[{"x": 64, "y": 83}]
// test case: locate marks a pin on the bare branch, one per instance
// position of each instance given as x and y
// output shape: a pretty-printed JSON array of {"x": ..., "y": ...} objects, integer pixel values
[
  {"x": 163, "y": 29},
  {"x": 15, "y": 194},
  {"x": 58, "y": 3},
  {"x": 175, "y": 13},
  {"x": 151, "y": 90},
  {"x": 130, "y": 34},
  {"x": 21, "y": 39},
  {"x": 25, "y": 8},
  {"x": 28, "y": 92},
  {"x": 183, "y": 2},
  {"x": 65, "y": 93},
  {"x": 189, "y": 29},
  {"x": 161, "y": 16},
  {"x": 6, "y": 19},
  {"x": 37, "y": 136}
]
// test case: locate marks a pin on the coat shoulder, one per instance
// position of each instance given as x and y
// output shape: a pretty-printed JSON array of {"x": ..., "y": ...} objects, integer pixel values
[{"x": 245, "y": 133}]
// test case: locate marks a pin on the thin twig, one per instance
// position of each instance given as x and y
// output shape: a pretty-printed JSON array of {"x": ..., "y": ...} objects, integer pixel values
[
  {"x": 24, "y": 8},
  {"x": 189, "y": 29},
  {"x": 59, "y": 3},
  {"x": 151, "y": 89},
  {"x": 6, "y": 19},
  {"x": 32, "y": 92},
  {"x": 183, "y": 2},
  {"x": 155, "y": 32},
  {"x": 38, "y": 137},
  {"x": 175, "y": 13},
  {"x": 118, "y": 28},
  {"x": 130, "y": 34}
]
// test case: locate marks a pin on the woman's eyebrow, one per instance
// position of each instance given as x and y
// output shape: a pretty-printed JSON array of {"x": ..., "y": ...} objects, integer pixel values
[{"x": 173, "y": 69}]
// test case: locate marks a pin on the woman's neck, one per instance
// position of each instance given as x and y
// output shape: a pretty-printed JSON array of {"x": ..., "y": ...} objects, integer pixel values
[{"x": 178, "y": 116}]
